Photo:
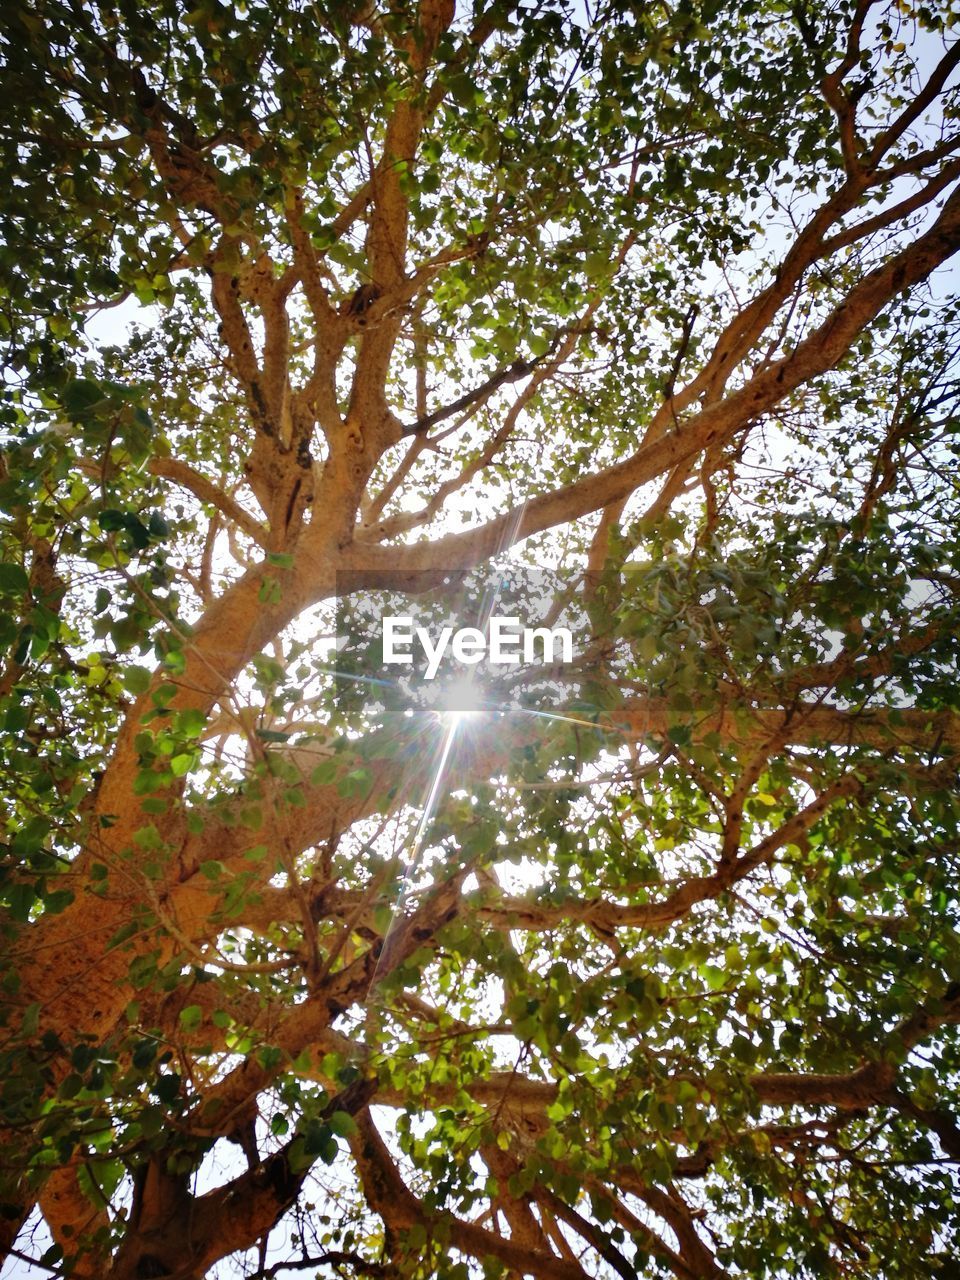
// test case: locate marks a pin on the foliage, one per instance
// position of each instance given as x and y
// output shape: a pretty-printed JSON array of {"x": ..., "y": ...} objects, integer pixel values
[{"x": 658, "y": 298}]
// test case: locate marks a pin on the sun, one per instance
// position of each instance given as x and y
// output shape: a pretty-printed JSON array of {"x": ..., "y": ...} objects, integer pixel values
[{"x": 459, "y": 700}]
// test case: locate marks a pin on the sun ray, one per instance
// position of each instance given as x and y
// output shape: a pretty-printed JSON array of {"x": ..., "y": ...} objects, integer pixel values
[{"x": 453, "y": 721}]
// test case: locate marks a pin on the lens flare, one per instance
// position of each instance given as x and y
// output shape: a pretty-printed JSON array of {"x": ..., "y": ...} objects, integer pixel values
[{"x": 459, "y": 700}]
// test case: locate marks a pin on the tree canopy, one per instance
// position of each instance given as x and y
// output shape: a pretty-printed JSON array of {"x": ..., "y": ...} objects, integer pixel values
[{"x": 306, "y": 301}]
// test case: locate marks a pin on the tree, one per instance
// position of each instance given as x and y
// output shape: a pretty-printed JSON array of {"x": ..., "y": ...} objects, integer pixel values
[{"x": 656, "y": 296}]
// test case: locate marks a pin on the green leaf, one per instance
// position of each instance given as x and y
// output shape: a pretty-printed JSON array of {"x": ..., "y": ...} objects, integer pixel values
[
  {"x": 13, "y": 580},
  {"x": 136, "y": 680},
  {"x": 343, "y": 1124},
  {"x": 167, "y": 1087},
  {"x": 190, "y": 1017}
]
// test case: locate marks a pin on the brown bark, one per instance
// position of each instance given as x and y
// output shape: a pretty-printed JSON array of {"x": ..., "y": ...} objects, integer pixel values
[{"x": 82, "y": 986}]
